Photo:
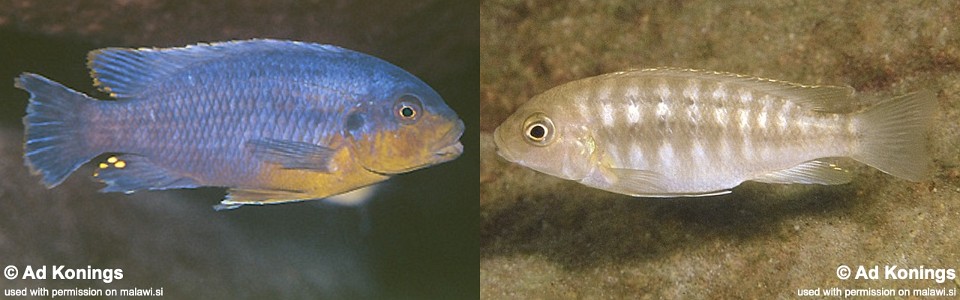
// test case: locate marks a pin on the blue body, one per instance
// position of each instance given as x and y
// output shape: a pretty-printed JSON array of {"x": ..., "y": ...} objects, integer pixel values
[{"x": 216, "y": 114}]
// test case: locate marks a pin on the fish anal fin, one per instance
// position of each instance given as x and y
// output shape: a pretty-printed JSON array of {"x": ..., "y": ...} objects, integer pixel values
[
  {"x": 811, "y": 172},
  {"x": 130, "y": 172},
  {"x": 294, "y": 155}
]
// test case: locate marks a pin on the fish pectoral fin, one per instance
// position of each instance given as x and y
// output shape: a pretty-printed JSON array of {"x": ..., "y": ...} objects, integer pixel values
[
  {"x": 294, "y": 155},
  {"x": 811, "y": 172},
  {"x": 237, "y": 197},
  {"x": 131, "y": 172},
  {"x": 632, "y": 182}
]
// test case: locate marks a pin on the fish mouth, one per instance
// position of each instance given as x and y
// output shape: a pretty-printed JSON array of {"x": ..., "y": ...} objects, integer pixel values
[
  {"x": 451, "y": 151},
  {"x": 450, "y": 143}
]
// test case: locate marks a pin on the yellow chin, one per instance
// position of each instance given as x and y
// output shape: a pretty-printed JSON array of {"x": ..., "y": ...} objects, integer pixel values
[{"x": 432, "y": 141}]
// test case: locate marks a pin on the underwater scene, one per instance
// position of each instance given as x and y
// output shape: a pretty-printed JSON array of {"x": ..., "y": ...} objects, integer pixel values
[
  {"x": 561, "y": 164},
  {"x": 174, "y": 106},
  {"x": 587, "y": 189}
]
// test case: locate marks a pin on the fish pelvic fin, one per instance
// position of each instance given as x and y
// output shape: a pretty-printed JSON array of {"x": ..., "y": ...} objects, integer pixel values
[
  {"x": 55, "y": 129},
  {"x": 649, "y": 184},
  {"x": 237, "y": 197},
  {"x": 892, "y": 135}
]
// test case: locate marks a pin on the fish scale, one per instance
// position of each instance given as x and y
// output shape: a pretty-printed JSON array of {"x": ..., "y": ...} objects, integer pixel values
[
  {"x": 267, "y": 119},
  {"x": 671, "y": 132},
  {"x": 676, "y": 152},
  {"x": 216, "y": 135}
]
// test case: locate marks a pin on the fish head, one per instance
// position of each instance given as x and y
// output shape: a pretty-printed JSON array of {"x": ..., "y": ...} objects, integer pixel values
[
  {"x": 546, "y": 137},
  {"x": 406, "y": 129}
]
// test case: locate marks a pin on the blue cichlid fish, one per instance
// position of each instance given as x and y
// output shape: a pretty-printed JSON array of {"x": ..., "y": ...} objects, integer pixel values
[
  {"x": 673, "y": 133},
  {"x": 274, "y": 121}
]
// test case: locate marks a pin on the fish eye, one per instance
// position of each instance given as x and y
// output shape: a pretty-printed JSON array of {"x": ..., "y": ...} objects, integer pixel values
[
  {"x": 407, "y": 112},
  {"x": 407, "y": 109},
  {"x": 538, "y": 130}
]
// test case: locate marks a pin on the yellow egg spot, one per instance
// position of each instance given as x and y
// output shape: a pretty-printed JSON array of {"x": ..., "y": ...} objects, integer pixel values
[
  {"x": 120, "y": 164},
  {"x": 112, "y": 159},
  {"x": 103, "y": 165}
]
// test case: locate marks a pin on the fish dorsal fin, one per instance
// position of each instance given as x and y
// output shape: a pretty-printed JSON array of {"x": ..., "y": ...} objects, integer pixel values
[
  {"x": 125, "y": 72},
  {"x": 828, "y": 99},
  {"x": 811, "y": 172}
]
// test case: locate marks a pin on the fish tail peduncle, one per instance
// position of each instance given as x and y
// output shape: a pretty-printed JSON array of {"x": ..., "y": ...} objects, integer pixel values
[
  {"x": 892, "y": 135},
  {"x": 55, "y": 128}
]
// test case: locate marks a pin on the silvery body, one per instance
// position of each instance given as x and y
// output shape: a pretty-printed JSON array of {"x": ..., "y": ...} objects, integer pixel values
[{"x": 668, "y": 132}]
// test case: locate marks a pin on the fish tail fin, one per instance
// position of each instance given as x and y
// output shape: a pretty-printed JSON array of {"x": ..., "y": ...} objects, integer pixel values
[
  {"x": 892, "y": 135},
  {"x": 55, "y": 128}
]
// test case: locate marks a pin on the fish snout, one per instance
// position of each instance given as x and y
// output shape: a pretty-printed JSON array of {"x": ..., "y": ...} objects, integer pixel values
[
  {"x": 500, "y": 143},
  {"x": 450, "y": 146}
]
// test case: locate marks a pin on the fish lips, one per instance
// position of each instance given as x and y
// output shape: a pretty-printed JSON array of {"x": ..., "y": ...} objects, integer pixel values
[{"x": 450, "y": 146}]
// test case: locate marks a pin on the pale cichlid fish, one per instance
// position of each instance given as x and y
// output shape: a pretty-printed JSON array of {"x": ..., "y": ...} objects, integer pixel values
[
  {"x": 684, "y": 133},
  {"x": 274, "y": 121}
]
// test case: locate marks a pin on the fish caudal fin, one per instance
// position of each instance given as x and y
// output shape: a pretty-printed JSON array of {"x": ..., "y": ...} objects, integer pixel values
[
  {"x": 55, "y": 144},
  {"x": 892, "y": 135}
]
